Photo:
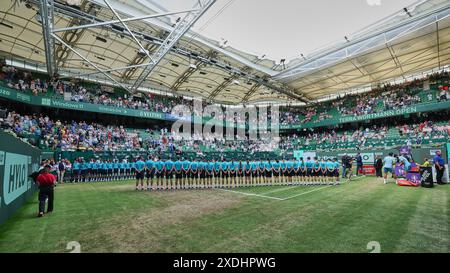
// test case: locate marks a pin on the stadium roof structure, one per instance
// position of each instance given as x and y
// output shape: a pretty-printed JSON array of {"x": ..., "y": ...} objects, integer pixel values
[{"x": 135, "y": 45}]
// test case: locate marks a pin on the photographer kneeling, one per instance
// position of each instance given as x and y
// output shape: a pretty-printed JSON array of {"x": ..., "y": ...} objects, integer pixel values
[{"x": 46, "y": 182}]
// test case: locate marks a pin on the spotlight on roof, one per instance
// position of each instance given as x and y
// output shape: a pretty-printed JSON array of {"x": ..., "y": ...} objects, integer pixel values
[
  {"x": 407, "y": 12},
  {"x": 346, "y": 38},
  {"x": 192, "y": 66},
  {"x": 73, "y": 2},
  {"x": 142, "y": 52},
  {"x": 223, "y": 42},
  {"x": 38, "y": 17},
  {"x": 236, "y": 82}
]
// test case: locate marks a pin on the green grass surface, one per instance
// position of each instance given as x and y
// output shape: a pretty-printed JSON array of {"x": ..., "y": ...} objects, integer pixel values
[{"x": 112, "y": 217}]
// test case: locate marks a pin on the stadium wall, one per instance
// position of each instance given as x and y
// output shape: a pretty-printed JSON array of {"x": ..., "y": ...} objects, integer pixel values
[{"x": 18, "y": 160}]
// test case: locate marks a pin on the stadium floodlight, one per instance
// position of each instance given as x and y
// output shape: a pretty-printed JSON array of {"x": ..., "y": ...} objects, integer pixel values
[
  {"x": 192, "y": 66},
  {"x": 236, "y": 82}
]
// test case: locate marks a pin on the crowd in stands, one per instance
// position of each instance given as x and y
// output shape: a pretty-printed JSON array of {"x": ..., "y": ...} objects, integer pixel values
[
  {"x": 408, "y": 134},
  {"x": 55, "y": 134},
  {"x": 387, "y": 97},
  {"x": 23, "y": 80}
]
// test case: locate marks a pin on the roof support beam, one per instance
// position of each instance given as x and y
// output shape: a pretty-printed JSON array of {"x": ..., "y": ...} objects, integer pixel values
[
  {"x": 180, "y": 29},
  {"x": 138, "y": 61},
  {"x": 110, "y": 70},
  {"x": 186, "y": 74},
  {"x": 99, "y": 24},
  {"x": 80, "y": 15},
  {"x": 250, "y": 92},
  {"x": 91, "y": 63},
  {"x": 46, "y": 11},
  {"x": 222, "y": 86}
]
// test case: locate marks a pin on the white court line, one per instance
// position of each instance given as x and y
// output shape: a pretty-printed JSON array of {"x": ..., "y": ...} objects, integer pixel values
[
  {"x": 306, "y": 192},
  {"x": 356, "y": 177},
  {"x": 277, "y": 190},
  {"x": 253, "y": 194}
]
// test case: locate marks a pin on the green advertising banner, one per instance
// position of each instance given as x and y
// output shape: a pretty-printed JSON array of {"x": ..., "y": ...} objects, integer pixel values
[
  {"x": 78, "y": 106},
  {"x": 17, "y": 161},
  {"x": 421, "y": 107}
]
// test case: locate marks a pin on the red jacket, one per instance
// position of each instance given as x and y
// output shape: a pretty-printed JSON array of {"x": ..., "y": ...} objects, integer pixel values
[{"x": 46, "y": 179}]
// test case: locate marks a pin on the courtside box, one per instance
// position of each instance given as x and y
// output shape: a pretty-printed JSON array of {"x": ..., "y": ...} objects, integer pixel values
[{"x": 18, "y": 160}]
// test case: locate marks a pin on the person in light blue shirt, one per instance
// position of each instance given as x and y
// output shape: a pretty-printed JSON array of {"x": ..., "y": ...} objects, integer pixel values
[
  {"x": 302, "y": 169},
  {"x": 76, "y": 171},
  {"x": 104, "y": 169},
  {"x": 277, "y": 172},
  {"x": 116, "y": 168},
  {"x": 404, "y": 161},
  {"x": 122, "y": 167},
  {"x": 323, "y": 170},
  {"x": 139, "y": 170},
  {"x": 336, "y": 170},
  {"x": 194, "y": 173},
  {"x": 159, "y": 164},
  {"x": 110, "y": 169},
  {"x": 210, "y": 174},
  {"x": 150, "y": 172},
  {"x": 254, "y": 165},
  {"x": 283, "y": 171},
  {"x": 309, "y": 167},
  {"x": 94, "y": 170},
  {"x": 89, "y": 170},
  {"x": 133, "y": 167},
  {"x": 268, "y": 172},
  {"x": 169, "y": 166},
  {"x": 202, "y": 173},
  {"x": 296, "y": 171},
  {"x": 186, "y": 167},
  {"x": 388, "y": 167},
  {"x": 290, "y": 171},
  {"x": 247, "y": 172},
  {"x": 128, "y": 169},
  {"x": 329, "y": 170},
  {"x": 316, "y": 170},
  {"x": 217, "y": 165},
  {"x": 177, "y": 166}
]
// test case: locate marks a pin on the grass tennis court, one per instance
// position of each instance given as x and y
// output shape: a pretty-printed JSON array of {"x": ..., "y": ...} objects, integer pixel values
[{"x": 112, "y": 217}]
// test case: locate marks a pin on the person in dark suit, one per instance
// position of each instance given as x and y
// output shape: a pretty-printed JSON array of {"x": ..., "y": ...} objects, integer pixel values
[
  {"x": 46, "y": 182},
  {"x": 378, "y": 166}
]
